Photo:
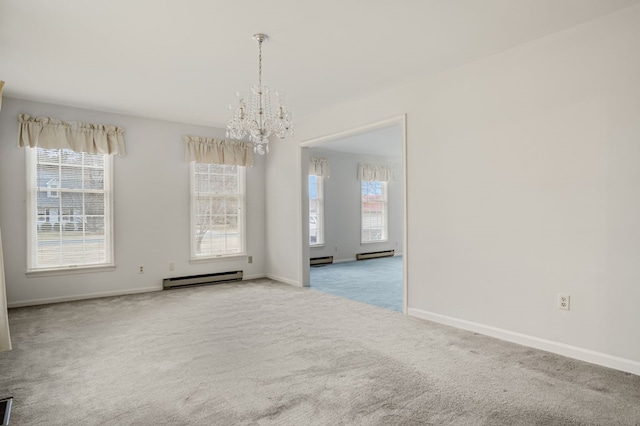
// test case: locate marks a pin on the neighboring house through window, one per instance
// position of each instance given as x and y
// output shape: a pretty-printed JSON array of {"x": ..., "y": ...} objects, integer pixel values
[
  {"x": 53, "y": 183},
  {"x": 217, "y": 210},
  {"x": 374, "y": 211},
  {"x": 71, "y": 226}
]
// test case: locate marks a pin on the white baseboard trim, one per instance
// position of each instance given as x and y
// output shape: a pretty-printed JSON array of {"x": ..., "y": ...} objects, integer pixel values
[
  {"x": 284, "y": 280},
  {"x": 599, "y": 358},
  {"x": 60, "y": 299},
  {"x": 253, "y": 277},
  {"x": 344, "y": 260}
]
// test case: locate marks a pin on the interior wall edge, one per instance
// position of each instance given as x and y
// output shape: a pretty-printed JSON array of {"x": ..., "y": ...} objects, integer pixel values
[
  {"x": 253, "y": 277},
  {"x": 284, "y": 280},
  {"x": 71, "y": 298},
  {"x": 582, "y": 354}
]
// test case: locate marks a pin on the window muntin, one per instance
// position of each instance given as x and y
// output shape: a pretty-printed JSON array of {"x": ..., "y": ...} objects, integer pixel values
[
  {"x": 217, "y": 210},
  {"x": 69, "y": 209},
  {"x": 316, "y": 210},
  {"x": 374, "y": 211}
]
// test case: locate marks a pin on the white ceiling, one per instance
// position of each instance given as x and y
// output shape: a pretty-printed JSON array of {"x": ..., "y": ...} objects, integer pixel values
[
  {"x": 385, "y": 142},
  {"x": 183, "y": 61}
]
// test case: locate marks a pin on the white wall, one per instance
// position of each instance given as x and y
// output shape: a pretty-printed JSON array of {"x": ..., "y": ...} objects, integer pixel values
[
  {"x": 283, "y": 213},
  {"x": 152, "y": 178},
  {"x": 342, "y": 207},
  {"x": 522, "y": 183}
]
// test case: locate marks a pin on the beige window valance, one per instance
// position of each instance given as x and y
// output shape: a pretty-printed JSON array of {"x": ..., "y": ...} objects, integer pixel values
[
  {"x": 374, "y": 172},
  {"x": 319, "y": 167},
  {"x": 218, "y": 151},
  {"x": 50, "y": 133}
]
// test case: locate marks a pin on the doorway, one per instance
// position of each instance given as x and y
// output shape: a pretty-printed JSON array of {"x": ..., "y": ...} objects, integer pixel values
[{"x": 345, "y": 216}]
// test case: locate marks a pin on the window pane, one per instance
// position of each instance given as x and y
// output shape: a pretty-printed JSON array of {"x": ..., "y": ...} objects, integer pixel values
[
  {"x": 231, "y": 205},
  {"x": 216, "y": 183},
  {"x": 94, "y": 160},
  {"x": 374, "y": 211},
  {"x": 70, "y": 157},
  {"x": 48, "y": 156},
  {"x": 231, "y": 184},
  {"x": 93, "y": 178},
  {"x": 69, "y": 216},
  {"x": 217, "y": 216},
  {"x": 316, "y": 210}
]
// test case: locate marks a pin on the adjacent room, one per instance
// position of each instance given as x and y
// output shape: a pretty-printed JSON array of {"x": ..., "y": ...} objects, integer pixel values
[
  {"x": 436, "y": 223},
  {"x": 356, "y": 216}
]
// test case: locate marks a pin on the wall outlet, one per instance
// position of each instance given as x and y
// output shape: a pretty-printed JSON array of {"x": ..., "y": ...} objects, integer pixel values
[
  {"x": 250, "y": 259},
  {"x": 172, "y": 266},
  {"x": 564, "y": 302},
  {"x": 141, "y": 269}
]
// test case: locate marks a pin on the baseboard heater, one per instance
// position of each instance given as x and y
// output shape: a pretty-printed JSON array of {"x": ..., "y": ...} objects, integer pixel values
[
  {"x": 321, "y": 260},
  {"x": 219, "y": 277},
  {"x": 375, "y": 254}
]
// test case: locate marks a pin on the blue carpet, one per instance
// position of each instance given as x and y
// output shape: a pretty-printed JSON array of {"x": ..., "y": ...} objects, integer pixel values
[{"x": 374, "y": 281}]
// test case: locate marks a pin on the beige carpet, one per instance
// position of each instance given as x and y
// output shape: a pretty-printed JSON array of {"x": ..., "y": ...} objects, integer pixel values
[{"x": 263, "y": 353}]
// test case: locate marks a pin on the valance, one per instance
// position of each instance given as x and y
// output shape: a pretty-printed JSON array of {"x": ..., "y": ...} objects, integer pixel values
[
  {"x": 49, "y": 133},
  {"x": 218, "y": 151},
  {"x": 319, "y": 167},
  {"x": 374, "y": 172}
]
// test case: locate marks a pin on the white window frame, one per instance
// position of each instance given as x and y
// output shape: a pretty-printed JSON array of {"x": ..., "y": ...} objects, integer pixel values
[
  {"x": 32, "y": 217},
  {"x": 319, "y": 213},
  {"x": 385, "y": 215},
  {"x": 242, "y": 252}
]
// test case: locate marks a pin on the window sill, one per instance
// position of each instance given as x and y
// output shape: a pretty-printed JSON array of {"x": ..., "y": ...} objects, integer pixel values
[
  {"x": 70, "y": 271},
  {"x": 316, "y": 245},
  {"x": 233, "y": 257},
  {"x": 362, "y": 243}
]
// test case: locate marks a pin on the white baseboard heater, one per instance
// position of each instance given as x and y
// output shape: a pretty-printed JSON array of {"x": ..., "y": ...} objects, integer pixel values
[
  {"x": 375, "y": 254},
  {"x": 219, "y": 277},
  {"x": 321, "y": 260}
]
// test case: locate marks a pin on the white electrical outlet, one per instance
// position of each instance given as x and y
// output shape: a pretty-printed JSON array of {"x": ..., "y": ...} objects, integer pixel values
[
  {"x": 250, "y": 259},
  {"x": 564, "y": 302},
  {"x": 172, "y": 266},
  {"x": 141, "y": 269}
]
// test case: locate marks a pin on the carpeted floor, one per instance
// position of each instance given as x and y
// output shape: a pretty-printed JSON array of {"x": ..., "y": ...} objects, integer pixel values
[
  {"x": 264, "y": 353},
  {"x": 374, "y": 281}
]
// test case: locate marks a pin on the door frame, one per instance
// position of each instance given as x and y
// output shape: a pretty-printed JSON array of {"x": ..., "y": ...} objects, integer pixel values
[{"x": 303, "y": 157}]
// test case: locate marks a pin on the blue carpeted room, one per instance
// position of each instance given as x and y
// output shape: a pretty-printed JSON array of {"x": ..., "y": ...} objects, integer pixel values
[
  {"x": 356, "y": 215},
  {"x": 376, "y": 281}
]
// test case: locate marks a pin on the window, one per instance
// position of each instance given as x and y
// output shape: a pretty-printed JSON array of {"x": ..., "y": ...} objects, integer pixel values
[
  {"x": 316, "y": 210},
  {"x": 374, "y": 211},
  {"x": 217, "y": 210},
  {"x": 69, "y": 227}
]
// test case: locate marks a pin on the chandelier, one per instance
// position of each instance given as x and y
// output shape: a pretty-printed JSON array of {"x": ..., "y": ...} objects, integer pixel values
[{"x": 254, "y": 116}]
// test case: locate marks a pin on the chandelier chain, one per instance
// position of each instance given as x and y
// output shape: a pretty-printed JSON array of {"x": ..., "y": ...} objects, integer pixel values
[{"x": 260, "y": 63}]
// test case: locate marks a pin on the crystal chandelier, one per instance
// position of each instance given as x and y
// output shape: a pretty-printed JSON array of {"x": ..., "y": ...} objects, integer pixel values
[{"x": 254, "y": 116}]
